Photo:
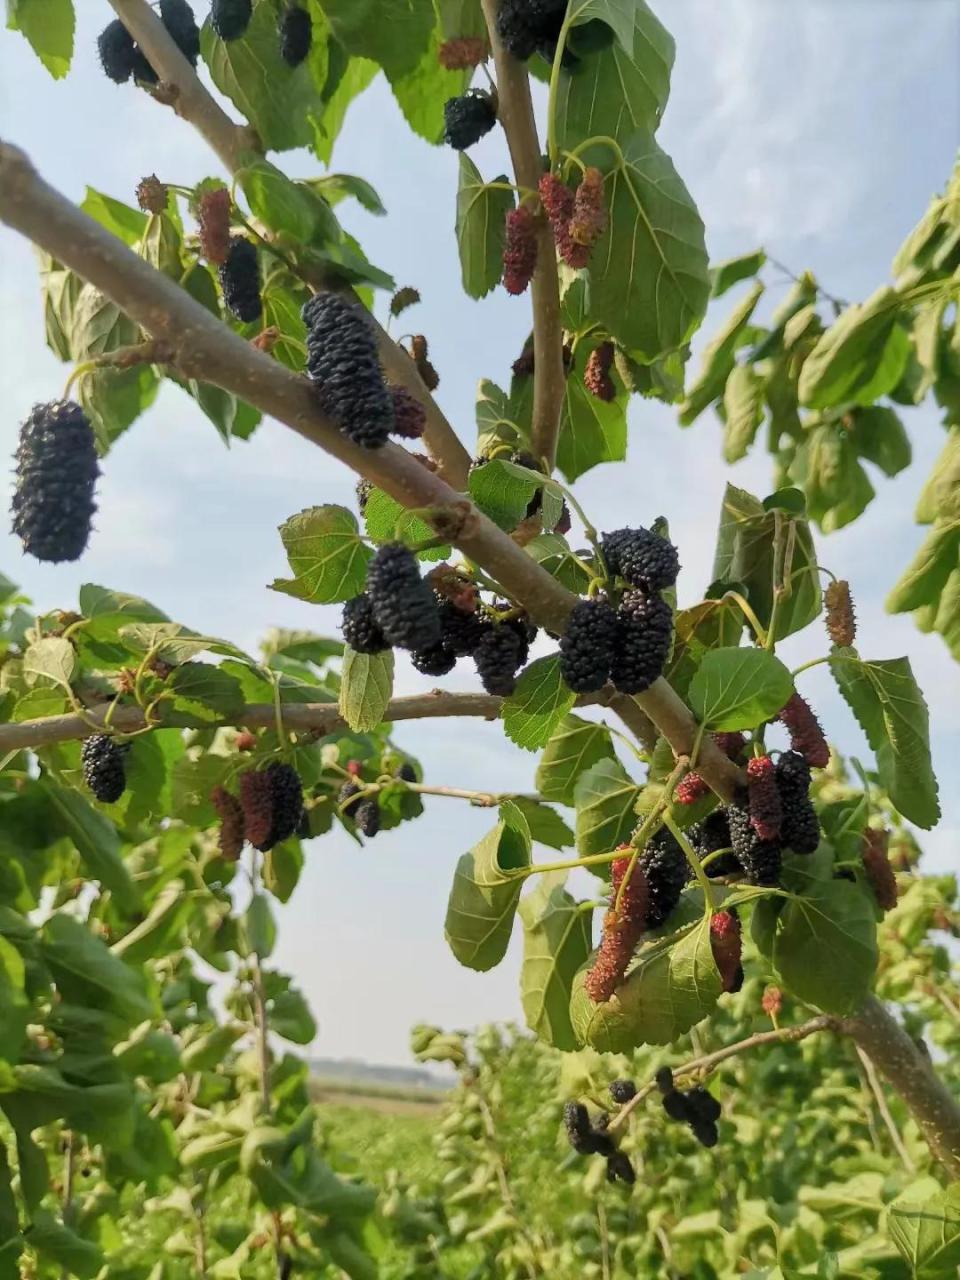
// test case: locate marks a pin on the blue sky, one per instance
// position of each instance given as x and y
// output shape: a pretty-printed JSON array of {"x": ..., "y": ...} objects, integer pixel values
[{"x": 817, "y": 130}]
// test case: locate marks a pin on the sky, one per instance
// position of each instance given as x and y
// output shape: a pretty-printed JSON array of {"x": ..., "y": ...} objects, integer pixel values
[{"x": 819, "y": 131}]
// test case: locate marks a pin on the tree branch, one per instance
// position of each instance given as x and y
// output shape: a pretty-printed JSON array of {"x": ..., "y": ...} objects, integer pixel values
[
  {"x": 910, "y": 1071},
  {"x": 237, "y": 145},
  {"x": 520, "y": 126}
]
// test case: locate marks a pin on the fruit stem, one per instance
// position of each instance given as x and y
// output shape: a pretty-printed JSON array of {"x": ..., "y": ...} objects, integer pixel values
[{"x": 693, "y": 859}]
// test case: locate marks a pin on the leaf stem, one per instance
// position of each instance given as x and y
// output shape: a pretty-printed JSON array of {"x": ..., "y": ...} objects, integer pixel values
[
  {"x": 691, "y": 856},
  {"x": 749, "y": 614}
]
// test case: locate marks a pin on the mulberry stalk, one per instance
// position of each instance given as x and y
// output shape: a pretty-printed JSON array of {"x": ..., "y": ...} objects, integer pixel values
[
  {"x": 343, "y": 363},
  {"x": 596, "y": 376},
  {"x": 56, "y": 474},
  {"x": 806, "y": 735},
  {"x": 766, "y": 810},
  {"x": 240, "y": 280},
  {"x": 587, "y": 646},
  {"x": 622, "y": 930},
  {"x": 519, "y": 249},
  {"x": 840, "y": 618}
]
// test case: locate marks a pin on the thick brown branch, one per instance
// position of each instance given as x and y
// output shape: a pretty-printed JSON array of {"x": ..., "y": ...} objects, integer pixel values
[
  {"x": 236, "y": 146},
  {"x": 520, "y": 126}
]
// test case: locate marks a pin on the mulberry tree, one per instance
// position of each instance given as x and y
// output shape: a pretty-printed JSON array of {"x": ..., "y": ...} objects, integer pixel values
[{"x": 158, "y": 786}]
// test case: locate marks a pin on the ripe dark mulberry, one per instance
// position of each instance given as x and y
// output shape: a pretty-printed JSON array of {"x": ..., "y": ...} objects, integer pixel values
[
  {"x": 498, "y": 656},
  {"x": 596, "y": 376},
  {"x": 231, "y": 834},
  {"x": 675, "y": 1105},
  {"x": 240, "y": 280},
  {"x": 620, "y": 1169},
  {"x": 360, "y": 628},
  {"x": 664, "y": 1080},
  {"x": 177, "y": 17},
  {"x": 214, "y": 218},
  {"x": 103, "y": 770},
  {"x": 348, "y": 792},
  {"x": 727, "y": 946},
  {"x": 343, "y": 363},
  {"x": 711, "y": 835},
  {"x": 766, "y": 809},
  {"x": 622, "y": 930},
  {"x": 367, "y": 817},
  {"x": 760, "y": 859},
  {"x": 403, "y": 604},
  {"x": 589, "y": 219},
  {"x": 876, "y": 865},
  {"x": 642, "y": 558},
  {"x": 286, "y": 791},
  {"x": 296, "y": 34},
  {"x": 645, "y": 630},
  {"x": 406, "y": 772},
  {"x": 806, "y": 735},
  {"x": 665, "y": 866},
  {"x": 420, "y": 354},
  {"x": 800, "y": 828},
  {"x": 230, "y": 18},
  {"x": 731, "y": 744},
  {"x": 622, "y": 1091},
  {"x": 587, "y": 646},
  {"x": 435, "y": 661},
  {"x": 840, "y": 617},
  {"x": 409, "y": 415},
  {"x": 467, "y": 118},
  {"x": 460, "y": 631},
  {"x": 151, "y": 194},
  {"x": 690, "y": 789},
  {"x": 576, "y": 1121},
  {"x": 462, "y": 53},
  {"x": 56, "y": 474},
  {"x": 526, "y": 25},
  {"x": 116, "y": 48},
  {"x": 519, "y": 250}
]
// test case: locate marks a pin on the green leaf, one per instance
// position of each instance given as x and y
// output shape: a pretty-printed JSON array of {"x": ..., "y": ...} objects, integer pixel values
[
  {"x": 575, "y": 746},
  {"x": 732, "y": 270},
  {"x": 422, "y": 91},
  {"x": 888, "y": 705},
  {"x": 203, "y": 694},
  {"x": 484, "y": 895},
  {"x": 837, "y": 488},
  {"x": 718, "y": 361},
  {"x": 924, "y": 1224},
  {"x": 393, "y": 33},
  {"x": 334, "y": 187},
  {"x": 552, "y": 552},
  {"x": 353, "y": 76},
  {"x": 861, "y": 356},
  {"x": 366, "y": 684},
  {"x": 620, "y": 89},
  {"x": 14, "y": 1005},
  {"x": 282, "y": 866},
  {"x": 59, "y": 1244},
  {"x": 289, "y": 1016},
  {"x": 123, "y": 221},
  {"x": 481, "y": 210},
  {"x": 286, "y": 206},
  {"x": 48, "y": 26},
  {"x": 10, "y": 1239},
  {"x": 879, "y": 436},
  {"x": 546, "y": 825},
  {"x": 712, "y": 624},
  {"x": 326, "y": 554},
  {"x": 591, "y": 430},
  {"x": 537, "y": 705},
  {"x": 260, "y": 926},
  {"x": 88, "y": 973},
  {"x": 742, "y": 410},
  {"x": 739, "y": 688},
  {"x": 940, "y": 496},
  {"x": 497, "y": 419},
  {"x": 52, "y": 659},
  {"x": 605, "y": 796},
  {"x": 96, "y": 841},
  {"x": 925, "y": 579},
  {"x": 387, "y": 521},
  {"x": 556, "y": 942},
  {"x": 648, "y": 274},
  {"x": 670, "y": 988},
  {"x": 825, "y": 946},
  {"x": 503, "y": 491}
]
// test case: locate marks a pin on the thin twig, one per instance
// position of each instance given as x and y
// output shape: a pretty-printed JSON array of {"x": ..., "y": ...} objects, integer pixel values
[{"x": 876, "y": 1088}]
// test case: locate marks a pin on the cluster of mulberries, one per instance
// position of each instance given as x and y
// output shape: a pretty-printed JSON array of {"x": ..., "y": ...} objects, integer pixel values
[
  {"x": 409, "y": 415},
  {"x": 230, "y": 18},
  {"x": 558, "y": 201},
  {"x": 240, "y": 280},
  {"x": 726, "y": 943},
  {"x": 806, "y": 735},
  {"x": 343, "y": 363},
  {"x": 696, "y": 1107},
  {"x": 230, "y": 812},
  {"x": 151, "y": 194},
  {"x": 466, "y": 119},
  {"x": 121, "y": 57},
  {"x": 519, "y": 249},
  {"x": 213, "y": 215},
  {"x": 764, "y": 803},
  {"x": 622, "y": 929},
  {"x": 588, "y": 645},
  {"x": 527, "y": 27},
  {"x": 596, "y": 376},
  {"x": 876, "y": 866},
  {"x": 177, "y": 17},
  {"x": 463, "y": 53},
  {"x": 589, "y": 1139},
  {"x": 420, "y": 354},
  {"x": 840, "y": 617},
  {"x": 56, "y": 475},
  {"x": 296, "y": 35},
  {"x": 103, "y": 768},
  {"x": 272, "y": 804}
]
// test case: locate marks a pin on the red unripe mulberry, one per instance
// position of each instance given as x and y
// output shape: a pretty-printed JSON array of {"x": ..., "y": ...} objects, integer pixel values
[
  {"x": 519, "y": 250},
  {"x": 230, "y": 814},
  {"x": 246, "y": 741},
  {"x": 878, "y": 870},
  {"x": 558, "y": 204},
  {"x": 214, "y": 215},
  {"x": 409, "y": 415},
  {"x": 731, "y": 744},
  {"x": 766, "y": 810},
  {"x": 772, "y": 1001},
  {"x": 806, "y": 735},
  {"x": 622, "y": 929},
  {"x": 690, "y": 789},
  {"x": 596, "y": 376},
  {"x": 462, "y": 53},
  {"x": 256, "y": 799},
  {"x": 589, "y": 220},
  {"x": 841, "y": 620},
  {"x": 727, "y": 947}
]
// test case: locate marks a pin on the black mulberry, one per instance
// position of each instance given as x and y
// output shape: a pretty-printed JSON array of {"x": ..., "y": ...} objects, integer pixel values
[
  {"x": 666, "y": 869},
  {"x": 177, "y": 17},
  {"x": 622, "y": 1091},
  {"x": 103, "y": 770},
  {"x": 296, "y": 34},
  {"x": 766, "y": 808},
  {"x": 587, "y": 646},
  {"x": 409, "y": 415},
  {"x": 360, "y": 628},
  {"x": 664, "y": 1080},
  {"x": 286, "y": 793},
  {"x": 641, "y": 557},
  {"x": 342, "y": 361},
  {"x": 348, "y": 792},
  {"x": 57, "y": 470},
  {"x": 435, "y": 661},
  {"x": 367, "y": 817},
  {"x": 498, "y": 656},
  {"x": 460, "y": 631},
  {"x": 240, "y": 280},
  {"x": 675, "y": 1105},
  {"x": 705, "y": 1132},
  {"x": 406, "y": 772},
  {"x": 711, "y": 835},
  {"x": 760, "y": 859},
  {"x": 403, "y": 604},
  {"x": 467, "y": 118},
  {"x": 620, "y": 1169},
  {"x": 117, "y": 49},
  {"x": 800, "y": 828},
  {"x": 230, "y": 18},
  {"x": 645, "y": 630},
  {"x": 703, "y": 1105},
  {"x": 526, "y": 25},
  {"x": 576, "y": 1121},
  {"x": 256, "y": 800}
]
